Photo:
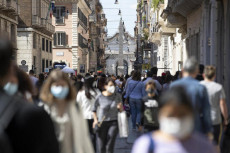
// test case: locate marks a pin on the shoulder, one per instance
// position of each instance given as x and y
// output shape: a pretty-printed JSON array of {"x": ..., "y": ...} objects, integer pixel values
[
  {"x": 202, "y": 142},
  {"x": 141, "y": 144}
]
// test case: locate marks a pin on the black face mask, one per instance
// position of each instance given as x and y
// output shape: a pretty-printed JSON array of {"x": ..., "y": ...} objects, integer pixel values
[{"x": 150, "y": 91}]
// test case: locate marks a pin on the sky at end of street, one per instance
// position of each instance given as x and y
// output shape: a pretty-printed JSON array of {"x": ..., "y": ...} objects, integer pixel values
[{"x": 128, "y": 14}]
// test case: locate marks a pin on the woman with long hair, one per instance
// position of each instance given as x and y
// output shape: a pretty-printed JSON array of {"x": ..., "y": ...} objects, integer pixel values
[
  {"x": 59, "y": 98},
  {"x": 86, "y": 99},
  {"x": 105, "y": 112},
  {"x": 135, "y": 92}
]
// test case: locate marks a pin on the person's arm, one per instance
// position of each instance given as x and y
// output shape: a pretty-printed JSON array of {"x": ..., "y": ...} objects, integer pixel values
[
  {"x": 127, "y": 91},
  {"x": 95, "y": 112},
  {"x": 206, "y": 111},
  {"x": 144, "y": 93},
  {"x": 120, "y": 105},
  {"x": 224, "y": 110}
]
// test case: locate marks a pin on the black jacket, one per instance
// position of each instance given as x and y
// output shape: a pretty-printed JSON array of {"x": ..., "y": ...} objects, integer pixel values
[{"x": 31, "y": 130}]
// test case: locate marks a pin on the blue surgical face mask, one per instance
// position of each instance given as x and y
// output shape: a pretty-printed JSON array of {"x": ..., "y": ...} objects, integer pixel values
[
  {"x": 11, "y": 88},
  {"x": 60, "y": 92}
]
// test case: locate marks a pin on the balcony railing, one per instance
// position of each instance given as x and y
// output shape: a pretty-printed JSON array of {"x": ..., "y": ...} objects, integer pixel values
[
  {"x": 2, "y": 4},
  {"x": 36, "y": 21},
  {"x": 50, "y": 27},
  {"x": 11, "y": 5},
  {"x": 60, "y": 20}
]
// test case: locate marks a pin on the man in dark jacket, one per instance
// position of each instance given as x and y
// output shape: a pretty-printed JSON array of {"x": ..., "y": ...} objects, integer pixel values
[{"x": 30, "y": 130}]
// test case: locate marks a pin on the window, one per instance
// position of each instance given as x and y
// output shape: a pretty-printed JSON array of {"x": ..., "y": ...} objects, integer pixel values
[
  {"x": 82, "y": 17},
  {"x": 47, "y": 64},
  {"x": 60, "y": 39},
  {"x": 51, "y": 63},
  {"x": 13, "y": 33},
  {"x": 82, "y": 42},
  {"x": 34, "y": 63},
  {"x": 43, "y": 65},
  {"x": 43, "y": 44},
  {"x": 51, "y": 47},
  {"x": 59, "y": 13},
  {"x": 34, "y": 41},
  {"x": 47, "y": 45}
]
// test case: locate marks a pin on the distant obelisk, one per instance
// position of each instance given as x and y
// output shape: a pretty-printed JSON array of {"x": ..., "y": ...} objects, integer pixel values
[{"x": 120, "y": 56}]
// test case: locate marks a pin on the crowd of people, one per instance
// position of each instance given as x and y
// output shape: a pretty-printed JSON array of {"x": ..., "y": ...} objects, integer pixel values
[{"x": 62, "y": 113}]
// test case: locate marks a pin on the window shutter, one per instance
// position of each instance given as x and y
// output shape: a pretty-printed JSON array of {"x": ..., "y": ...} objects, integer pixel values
[
  {"x": 66, "y": 39},
  {"x": 63, "y": 35},
  {"x": 55, "y": 39}
]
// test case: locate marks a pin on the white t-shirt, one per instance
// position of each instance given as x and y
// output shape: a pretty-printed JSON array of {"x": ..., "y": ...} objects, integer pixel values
[
  {"x": 87, "y": 104},
  {"x": 215, "y": 93}
]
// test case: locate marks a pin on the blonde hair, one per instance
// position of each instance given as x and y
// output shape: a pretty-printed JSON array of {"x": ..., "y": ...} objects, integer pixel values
[
  {"x": 151, "y": 83},
  {"x": 210, "y": 72},
  {"x": 56, "y": 75}
]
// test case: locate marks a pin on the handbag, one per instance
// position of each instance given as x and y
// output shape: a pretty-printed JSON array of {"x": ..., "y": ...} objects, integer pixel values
[
  {"x": 123, "y": 125},
  {"x": 99, "y": 124}
]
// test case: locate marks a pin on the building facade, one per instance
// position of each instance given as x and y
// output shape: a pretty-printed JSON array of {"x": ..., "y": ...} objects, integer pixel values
[
  {"x": 34, "y": 36},
  {"x": 179, "y": 29},
  {"x": 9, "y": 11},
  {"x": 120, "y": 52},
  {"x": 71, "y": 36}
]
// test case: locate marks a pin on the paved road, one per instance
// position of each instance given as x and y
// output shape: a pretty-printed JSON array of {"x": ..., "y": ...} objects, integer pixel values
[{"x": 124, "y": 145}]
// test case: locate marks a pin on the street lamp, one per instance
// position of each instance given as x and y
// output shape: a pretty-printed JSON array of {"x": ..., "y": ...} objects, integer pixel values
[
  {"x": 116, "y": 2},
  {"x": 119, "y": 13}
]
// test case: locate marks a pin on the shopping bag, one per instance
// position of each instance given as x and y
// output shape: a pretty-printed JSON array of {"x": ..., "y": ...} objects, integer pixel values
[{"x": 123, "y": 124}]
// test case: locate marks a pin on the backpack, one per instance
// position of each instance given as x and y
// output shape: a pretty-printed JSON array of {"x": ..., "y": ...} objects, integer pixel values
[
  {"x": 151, "y": 110},
  {"x": 8, "y": 108}
]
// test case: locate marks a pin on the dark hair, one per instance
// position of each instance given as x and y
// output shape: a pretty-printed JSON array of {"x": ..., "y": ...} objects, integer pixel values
[
  {"x": 24, "y": 82},
  {"x": 79, "y": 76},
  {"x": 6, "y": 55},
  {"x": 107, "y": 80},
  {"x": 168, "y": 78},
  {"x": 176, "y": 96},
  {"x": 149, "y": 74},
  {"x": 88, "y": 86},
  {"x": 87, "y": 75},
  {"x": 137, "y": 76},
  {"x": 41, "y": 78},
  {"x": 31, "y": 72},
  {"x": 201, "y": 68},
  {"x": 154, "y": 70},
  {"x": 126, "y": 76},
  {"x": 78, "y": 85}
]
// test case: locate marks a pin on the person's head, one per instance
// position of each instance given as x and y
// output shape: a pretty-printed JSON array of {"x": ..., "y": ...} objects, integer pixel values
[
  {"x": 87, "y": 75},
  {"x": 191, "y": 67},
  {"x": 88, "y": 85},
  {"x": 79, "y": 77},
  {"x": 6, "y": 65},
  {"x": 126, "y": 76},
  {"x": 118, "y": 77},
  {"x": 176, "y": 116},
  {"x": 210, "y": 73},
  {"x": 201, "y": 69},
  {"x": 149, "y": 74},
  {"x": 31, "y": 72},
  {"x": 137, "y": 76},
  {"x": 150, "y": 88},
  {"x": 11, "y": 88},
  {"x": 168, "y": 78},
  {"x": 24, "y": 82},
  {"x": 121, "y": 79},
  {"x": 41, "y": 77},
  {"x": 57, "y": 87},
  {"x": 154, "y": 70},
  {"x": 109, "y": 85}
]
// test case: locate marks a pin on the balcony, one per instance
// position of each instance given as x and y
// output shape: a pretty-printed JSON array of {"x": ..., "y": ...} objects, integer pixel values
[
  {"x": 175, "y": 20},
  {"x": 167, "y": 31},
  {"x": 50, "y": 27},
  {"x": 3, "y": 4},
  {"x": 46, "y": 26},
  {"x": 156, "y": 37},
  {"x": 36, "y": 21},
  {"x": 11, "y": 6},
  {"x": 184, "y": 7}
]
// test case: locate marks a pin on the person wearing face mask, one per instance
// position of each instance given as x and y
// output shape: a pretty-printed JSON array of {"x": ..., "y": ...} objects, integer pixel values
[
  {"x": 59, "y": 98},
  {"x": 176, "y": 133},
  {"x": 150, "y": 108},
  {"x": 105, "y": 111}
]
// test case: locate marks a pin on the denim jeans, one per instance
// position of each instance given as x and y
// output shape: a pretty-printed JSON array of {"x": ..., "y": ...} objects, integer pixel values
[{"x": 135, "y": 105}]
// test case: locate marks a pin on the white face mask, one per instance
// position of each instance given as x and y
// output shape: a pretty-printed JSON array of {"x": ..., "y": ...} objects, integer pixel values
[
  {"x": 179, "y": 128},
  {"x": 60, "y": 92},
  {"x": 11, "y": 88},
  {"x": 111, "y": 89}
]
